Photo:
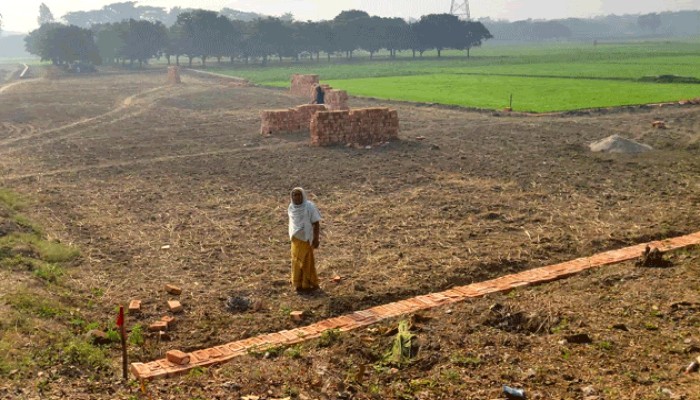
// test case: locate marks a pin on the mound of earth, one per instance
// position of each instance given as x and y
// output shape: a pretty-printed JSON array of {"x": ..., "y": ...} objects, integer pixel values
[{"x": 619, "y": 144}]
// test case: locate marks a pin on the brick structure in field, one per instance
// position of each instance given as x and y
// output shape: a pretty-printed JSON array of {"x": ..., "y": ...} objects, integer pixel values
[
  {"x": 364, "y": 126},
  {"x": 293, "y": 120},
  {"x": 174, "y": 75},
  {"x": 303, "y": 85},
  {"x": 333, "y": 122},
  {"x": 336, "y": 100}
]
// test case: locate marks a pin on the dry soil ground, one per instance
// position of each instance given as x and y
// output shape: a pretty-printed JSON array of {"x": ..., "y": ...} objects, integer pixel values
[{"x": 166, "y": 184}]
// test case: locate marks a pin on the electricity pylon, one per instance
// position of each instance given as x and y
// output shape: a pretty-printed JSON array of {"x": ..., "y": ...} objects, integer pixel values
[{"x": 460, "y": 8}]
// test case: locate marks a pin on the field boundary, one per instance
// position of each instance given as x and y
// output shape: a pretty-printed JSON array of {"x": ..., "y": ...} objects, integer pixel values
[
  {"x": 215, "y": 75},
  {"x": 220, "y": 354}
]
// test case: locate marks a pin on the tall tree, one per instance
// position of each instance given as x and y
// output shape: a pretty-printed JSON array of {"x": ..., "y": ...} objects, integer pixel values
[
  {"x": 328, "y": 38},
  {"x": 347, "y": 28},
  {"x": 398, "y": 35},
  {"x": 143, "y": 40},
  {"x": 474, "y": 35},
  {"x": 650, "y": 22},
  {"x": 62, "y": 44},
  {"x": 109, "y": 41},
  {"x": 45, "y": 15},
  {"x": 198, "y": 34},
  {"x": 441, "y": 31},
  {"x": 371, "y": 34}
]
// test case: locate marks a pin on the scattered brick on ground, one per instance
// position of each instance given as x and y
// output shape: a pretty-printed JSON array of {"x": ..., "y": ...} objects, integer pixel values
[
  {"x": 659, "y": 124},
  {"x": 297, "y": 315},
  {"x": 172, "y": 289},
  {"x": 174, "y": 306},
  {"x": 135, "y": 306},
  {"x": 169, "y": 321},
  {"x": 158, "y": 326}
]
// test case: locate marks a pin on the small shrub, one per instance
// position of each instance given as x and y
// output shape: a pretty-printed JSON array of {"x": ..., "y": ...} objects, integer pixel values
[
  {"x": 49, "y": 272},
  {"x": 464, "y": 361},
  {"x": 294, "y": 352},
  {"x": 25, "y": 222},
  {"x": 11, "y": 200},
  {"x": 91, "y": 326},
  {"x": 24, "y": 301},
  {"x": 328, "y": 337},
  {"x": 605, "y": 345},
  {"x": 54, "y": 252},
  {"x": 195, "y": 373},
  {"x": 82, "y": 354},
  {"x": 113, "y": 336},
  {"x": 136, "y": 337}
]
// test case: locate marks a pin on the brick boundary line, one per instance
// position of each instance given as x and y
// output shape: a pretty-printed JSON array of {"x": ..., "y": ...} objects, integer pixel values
[{"x": 226, "y": 352}]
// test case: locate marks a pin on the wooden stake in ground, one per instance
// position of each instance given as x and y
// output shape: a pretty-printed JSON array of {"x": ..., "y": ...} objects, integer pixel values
[{"x": 122, "y": 327}]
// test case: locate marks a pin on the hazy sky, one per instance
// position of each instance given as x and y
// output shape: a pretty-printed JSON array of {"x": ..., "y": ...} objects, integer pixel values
[{"x": 20, "y": 15}]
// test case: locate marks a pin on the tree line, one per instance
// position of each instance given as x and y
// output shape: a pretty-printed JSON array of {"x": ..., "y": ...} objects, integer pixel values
[{"x": 204, "y": 35}]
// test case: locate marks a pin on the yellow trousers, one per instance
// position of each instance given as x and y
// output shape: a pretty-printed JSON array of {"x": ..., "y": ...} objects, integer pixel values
[{"x": 303, "y": 266}]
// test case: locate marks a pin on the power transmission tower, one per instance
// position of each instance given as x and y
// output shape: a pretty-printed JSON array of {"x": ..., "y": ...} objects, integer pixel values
[{"x": 460, "y": 8}]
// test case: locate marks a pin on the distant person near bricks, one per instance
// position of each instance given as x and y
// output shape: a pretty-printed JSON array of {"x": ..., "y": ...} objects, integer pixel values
[
  {"x": 320, "y": 95},
  {"x": 304, "y": 231}
]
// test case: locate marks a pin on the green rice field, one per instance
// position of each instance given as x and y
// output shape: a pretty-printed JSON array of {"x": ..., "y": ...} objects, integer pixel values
[{"x": 541, "y": 78}]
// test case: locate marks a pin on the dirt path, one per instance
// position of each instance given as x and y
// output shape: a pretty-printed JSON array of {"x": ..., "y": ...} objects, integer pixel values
[
  {"x": 141, "y": 99},
  {"x": 11, "y": 85},
  {"x": 147, "y": 161}
]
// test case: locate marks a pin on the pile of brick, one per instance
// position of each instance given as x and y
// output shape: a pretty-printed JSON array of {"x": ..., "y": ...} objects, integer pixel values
[
  {"x": 293, "y": 120},
  {"x": 364, "y": 126},
  {"x": 302, "y": 85},
  {"x": 336, "y": 100},
  {"x": 166, "y": 322},
  {"x": 174, "y": 75}
]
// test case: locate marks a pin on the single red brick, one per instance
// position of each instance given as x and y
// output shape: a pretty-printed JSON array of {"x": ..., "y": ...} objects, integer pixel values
[
  {"x": 297, "y": 315},
  {"x": 158, "y": 326},
  {"x": 175, "y": 306},
  {"x": 135, "y": 306},
  {"x": 177, "y": 357},
  {"x": 172, "y": 289},
  {"x": 170, "y": 321}
]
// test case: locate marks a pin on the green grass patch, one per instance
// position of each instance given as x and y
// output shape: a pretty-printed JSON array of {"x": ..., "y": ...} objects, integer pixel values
[
  {"x": 79, "y": 353},
  {"x": 51, "y": 252},
  {"x": 542, "y": 77},
  {"x": 529, "y": 94},
  {"x": 49, "y": 272},
  {"x": 25, "y": 222},
  {"x": 23, "y": 301},
  {"x": 11, "y": 200}
]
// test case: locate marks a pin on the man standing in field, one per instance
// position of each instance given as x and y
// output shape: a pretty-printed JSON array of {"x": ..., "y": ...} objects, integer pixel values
[{"x": 304, "y": 232}]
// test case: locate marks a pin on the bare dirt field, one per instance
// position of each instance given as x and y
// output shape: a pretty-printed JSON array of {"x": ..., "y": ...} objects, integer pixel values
[{"x": 161, "y": 184}]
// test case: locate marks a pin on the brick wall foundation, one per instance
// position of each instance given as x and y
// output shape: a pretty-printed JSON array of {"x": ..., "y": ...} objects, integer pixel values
[
  {"x": 336, "y": 100},
  {"x": 174, "y": 75},
  {"x": 293, "y": 120},
  {"x": 302, "y": 85},
  {"x": 363, "y": 126}
]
